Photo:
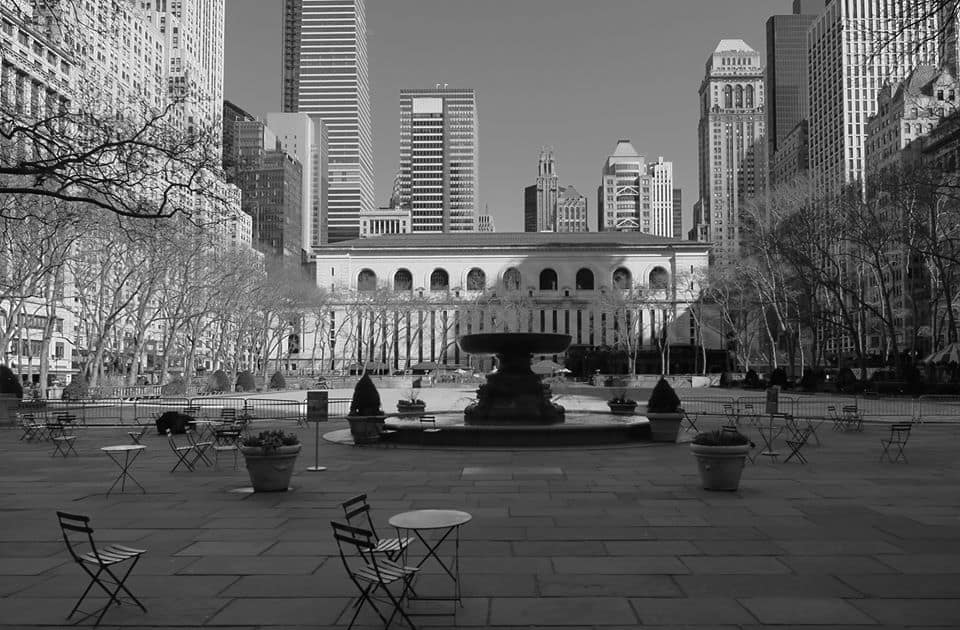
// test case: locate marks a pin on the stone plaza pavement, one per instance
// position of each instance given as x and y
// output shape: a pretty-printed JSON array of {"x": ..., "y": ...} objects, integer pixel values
[{"x": 615, "y": 537}]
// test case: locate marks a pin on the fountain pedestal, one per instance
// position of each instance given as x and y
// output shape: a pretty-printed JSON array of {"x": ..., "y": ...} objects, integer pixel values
[{"x": 514, "y": 394}]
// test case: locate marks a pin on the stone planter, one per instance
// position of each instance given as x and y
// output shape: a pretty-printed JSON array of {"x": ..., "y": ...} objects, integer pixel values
[
  {"x": 270, "y": 472},
  {"x": 622, "y": 409},
  {"x": 720, "y": 466},
  {"x": 405, "y": 406},
  {"x": 9, "y": 403},
  {"x": 664, "y": 427},
  {"x": 365, "y": 429}
]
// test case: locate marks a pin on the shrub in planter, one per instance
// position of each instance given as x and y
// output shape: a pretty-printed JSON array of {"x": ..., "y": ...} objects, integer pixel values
[
  {"x": 845, "y": 379},
  {"x": 218, "y": 382},
  {"x": 277, "y": 381},
  {"x": 78, "y": 389},
  {"x": 173, "y": 420},
  {"x": 270, "y": 457},
  {"x": 752, "y": 379},
  {"x": 725, "y": 380},
  {"x": 621, "y": 404},
  {"x": 411, "y": 403},
  {"x": 246, "y": 382},
  {"x": 176, "y": 387},
  {"x": 663, "y": 412},
  {"x": 366, "y": 415},
  {"x": 811, "y": 380},
  {"x": 721, "y": 456},
  {"x": 779, "y": 378}
]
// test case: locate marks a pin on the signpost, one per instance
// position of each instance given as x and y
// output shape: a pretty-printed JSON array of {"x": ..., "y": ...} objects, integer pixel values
[
  {"x": 317, "y": 411},
  {"x": 773, "y": 400}
]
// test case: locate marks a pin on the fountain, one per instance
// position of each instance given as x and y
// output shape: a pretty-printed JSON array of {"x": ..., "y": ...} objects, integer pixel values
[{"x": 514, "y": 395}]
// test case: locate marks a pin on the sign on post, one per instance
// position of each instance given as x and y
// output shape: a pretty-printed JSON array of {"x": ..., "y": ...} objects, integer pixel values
[
  {"x": 773, "y": 400},
  {"x": 317, "y": 406}
]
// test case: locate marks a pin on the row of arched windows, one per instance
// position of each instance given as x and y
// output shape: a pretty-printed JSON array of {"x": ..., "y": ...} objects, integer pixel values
[
  {"x": 734, "y": 97},
  {"x": 477, "y": 280}
]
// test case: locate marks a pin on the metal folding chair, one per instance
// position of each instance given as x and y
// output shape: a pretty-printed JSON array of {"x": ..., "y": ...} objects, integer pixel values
[
  {"x": 86, "y": 553},
  {"x": 428, "y": 425},
  {"x": 851, "y": 418},
  {"x": 371, "y": 573},
  {"x": 136, "y": 436},
  {"x": 186, "y": 455},
  {"x": 358, "y": 508},
  {"x": 62, "y": 442},
  {"x": 730, "y": 413},
  {"x": 835, "y": 417},
  {"x": 899, "y": 434},
  {"x": 200, "y": 447},
  {"x": 31, "y": 429},
  {"x": 729, "y": 429},
  {"x": 687, "y": 421},
  {"x": 797, "y": 444}
]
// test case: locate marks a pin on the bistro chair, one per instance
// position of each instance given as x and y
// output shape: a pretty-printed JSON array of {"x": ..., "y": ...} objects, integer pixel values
[
  {"x": 187, "y": 454},
  {"x": 899, "y": 434},
  {"x": 78, "y": 536},
  {"x": 356, "y": 509},
  {"x": 371, "y": 573},
  {"x": 797, "y": 444}
]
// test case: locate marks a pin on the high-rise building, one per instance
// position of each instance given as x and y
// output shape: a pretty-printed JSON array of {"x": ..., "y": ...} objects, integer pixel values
[
  {"x": 193, "y": 32},
  {"x": 296, "y": 134},
  {"x": 635, "y": 196},
  {"x": 439, "y": 158},
  {"x": 786, "y": 89},
  {"x": 854, "y": 48},
  {"x": 540, "y": 199},
  {"x": 677, "y": 213},
  {"x": 731, "y": 141},
  {"x": 571, "y": 211},
  {"x": 232, "y": 114},
  {"x": 325, "y": 75}
]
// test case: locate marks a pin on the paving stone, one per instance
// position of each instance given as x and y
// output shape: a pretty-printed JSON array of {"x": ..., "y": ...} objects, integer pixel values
[
  {"x": 913, "y": 586},
  {"x": 694, "y": 611},
  {"x": 913, "y": 612},
  {"x": 922, "y": 563},
  {"x": 250, "y": 565},
  {"x": 832, "y": 565},
  {"x": 763, "y": 585},
  {"x": 666, "y": 565},
  {"x": 619, "y": 585},
  {"x": 287, "y": 610},
  {"x": 804, "y": 610},
  {"x": 561, "y": 611},
  {"x": 749, "y": 565},
  {"x": 210, "y": 548}
]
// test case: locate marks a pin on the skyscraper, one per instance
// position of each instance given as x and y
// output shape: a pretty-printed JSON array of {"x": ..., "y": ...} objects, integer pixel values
[
  {"x": 438, "y": 158},
  {"x": 325, "y": 75},
  {"x": 854, "y": 48},
  {"x": 540, "y": 199},
  {"x": 297, "y": 136},
  {"x": 730, "y": 140},
  {"x": 677, "y": 213},
  {"x": 635, "y": 196},
  {"x": 786, "y": 83}
]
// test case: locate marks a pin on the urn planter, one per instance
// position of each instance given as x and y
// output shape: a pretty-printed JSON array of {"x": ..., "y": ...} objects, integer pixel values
[
  {"x": 366, "y": 429},
  {"x": 622, "y": 409},
  {"x": 405, "y": 406},
  {"x": 664, "y": 427},
  {"x": 270, "y": 470},
  {"x": 720, "y": 466}
]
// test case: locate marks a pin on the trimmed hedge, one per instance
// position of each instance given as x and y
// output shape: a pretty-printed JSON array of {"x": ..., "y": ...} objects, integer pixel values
[
  {"x": 176, "y": 387},
  {"x": 10, "y": 383},
  {"x": 77, "y": 389},
  {"x": 246, "y": 382},
  {"x": 277, "y": 381},
  {"x": 218, "y": 382}
]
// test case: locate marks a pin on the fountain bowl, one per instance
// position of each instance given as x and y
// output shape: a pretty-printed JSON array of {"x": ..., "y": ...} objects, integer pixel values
[{"x": 514, "y": 343}]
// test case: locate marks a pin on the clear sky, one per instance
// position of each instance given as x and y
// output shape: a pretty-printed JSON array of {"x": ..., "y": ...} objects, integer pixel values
[{"x": 572, "y": 74}]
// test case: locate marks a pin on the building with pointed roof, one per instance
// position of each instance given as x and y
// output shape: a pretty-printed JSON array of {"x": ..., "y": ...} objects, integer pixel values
[
  {"x": 634, "y": 195},
  {"x": 731, "y": 143}
]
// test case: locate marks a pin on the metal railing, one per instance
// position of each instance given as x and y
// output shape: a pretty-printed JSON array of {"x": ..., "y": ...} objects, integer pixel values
[{"x": 871, "y": 406}]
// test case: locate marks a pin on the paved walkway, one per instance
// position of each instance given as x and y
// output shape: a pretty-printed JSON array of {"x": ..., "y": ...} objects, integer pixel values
[{"x": 611, "y": 538}]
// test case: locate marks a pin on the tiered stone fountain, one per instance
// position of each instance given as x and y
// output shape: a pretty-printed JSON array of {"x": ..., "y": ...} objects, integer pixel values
[{"x": 514, "y": 395}]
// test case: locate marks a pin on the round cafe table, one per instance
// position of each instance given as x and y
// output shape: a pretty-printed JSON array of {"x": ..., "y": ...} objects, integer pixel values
[
  {"x": 130, "y": 453},
  {"x": 445, "y": 521}
]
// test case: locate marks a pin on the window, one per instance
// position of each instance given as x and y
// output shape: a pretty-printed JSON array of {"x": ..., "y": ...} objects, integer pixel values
[
  {"x": 728, "y": 96},
  {"x": 366, "y": 280},
  {"x": 439, "y": 280},
  {"x": 402, "y": 280},
  {"x": 584, "y": 280},
  {"x": 548, "y": 280},
  {"x": 622, "y": 279},
  {"x": 659, "y": 278},
  {"x": 476, "y": 280},
  {"x": 511, "y": 279}
]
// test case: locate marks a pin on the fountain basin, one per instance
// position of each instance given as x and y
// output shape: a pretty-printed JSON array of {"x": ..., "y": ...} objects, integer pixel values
[{"x": 514, "y": 343}]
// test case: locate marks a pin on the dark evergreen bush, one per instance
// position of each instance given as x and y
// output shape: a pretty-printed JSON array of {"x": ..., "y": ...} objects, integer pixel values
[
  {"x": 218, "y": 382},
  {"x": 811, "y": 380},
  {"x": 725, "y": 379},
  {"x": 663, "y": 399},
  {"x": 176, "y": 387},
  {"x": 277, "y": 381},
  {"x": 778, "y": 377},
  {"x": 78, "y": 389},
  {"x": 845, "y": 379},
  {"x": 752, "y": 379},
  {"x": 366, "y": 398},
  {"x": 10, "y": 383},
  {"x": 246, "y": 382}
]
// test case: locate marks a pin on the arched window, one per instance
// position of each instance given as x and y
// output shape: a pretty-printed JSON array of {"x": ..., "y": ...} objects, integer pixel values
[
  {"x": 749, "y": 96},
  {"x": 659, "y": 278},
  {"x": 511, "y": 279},
  {"x": 548, "y": 280},
  {"x": 476, "y": 280},
  {"x": 739, "y": 98},
  {"x": 366, "y": 280},
  {"x": 402, "y": 280},
  {"x": 622, "y": 279},
  {"x": 584, "y": 280},
  {"x": 439, "y": 280},
  {"x": 728, "y": 96}
]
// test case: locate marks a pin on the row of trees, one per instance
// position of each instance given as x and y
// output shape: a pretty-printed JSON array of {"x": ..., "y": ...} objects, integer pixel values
[{"x": 853, "y": 274}]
